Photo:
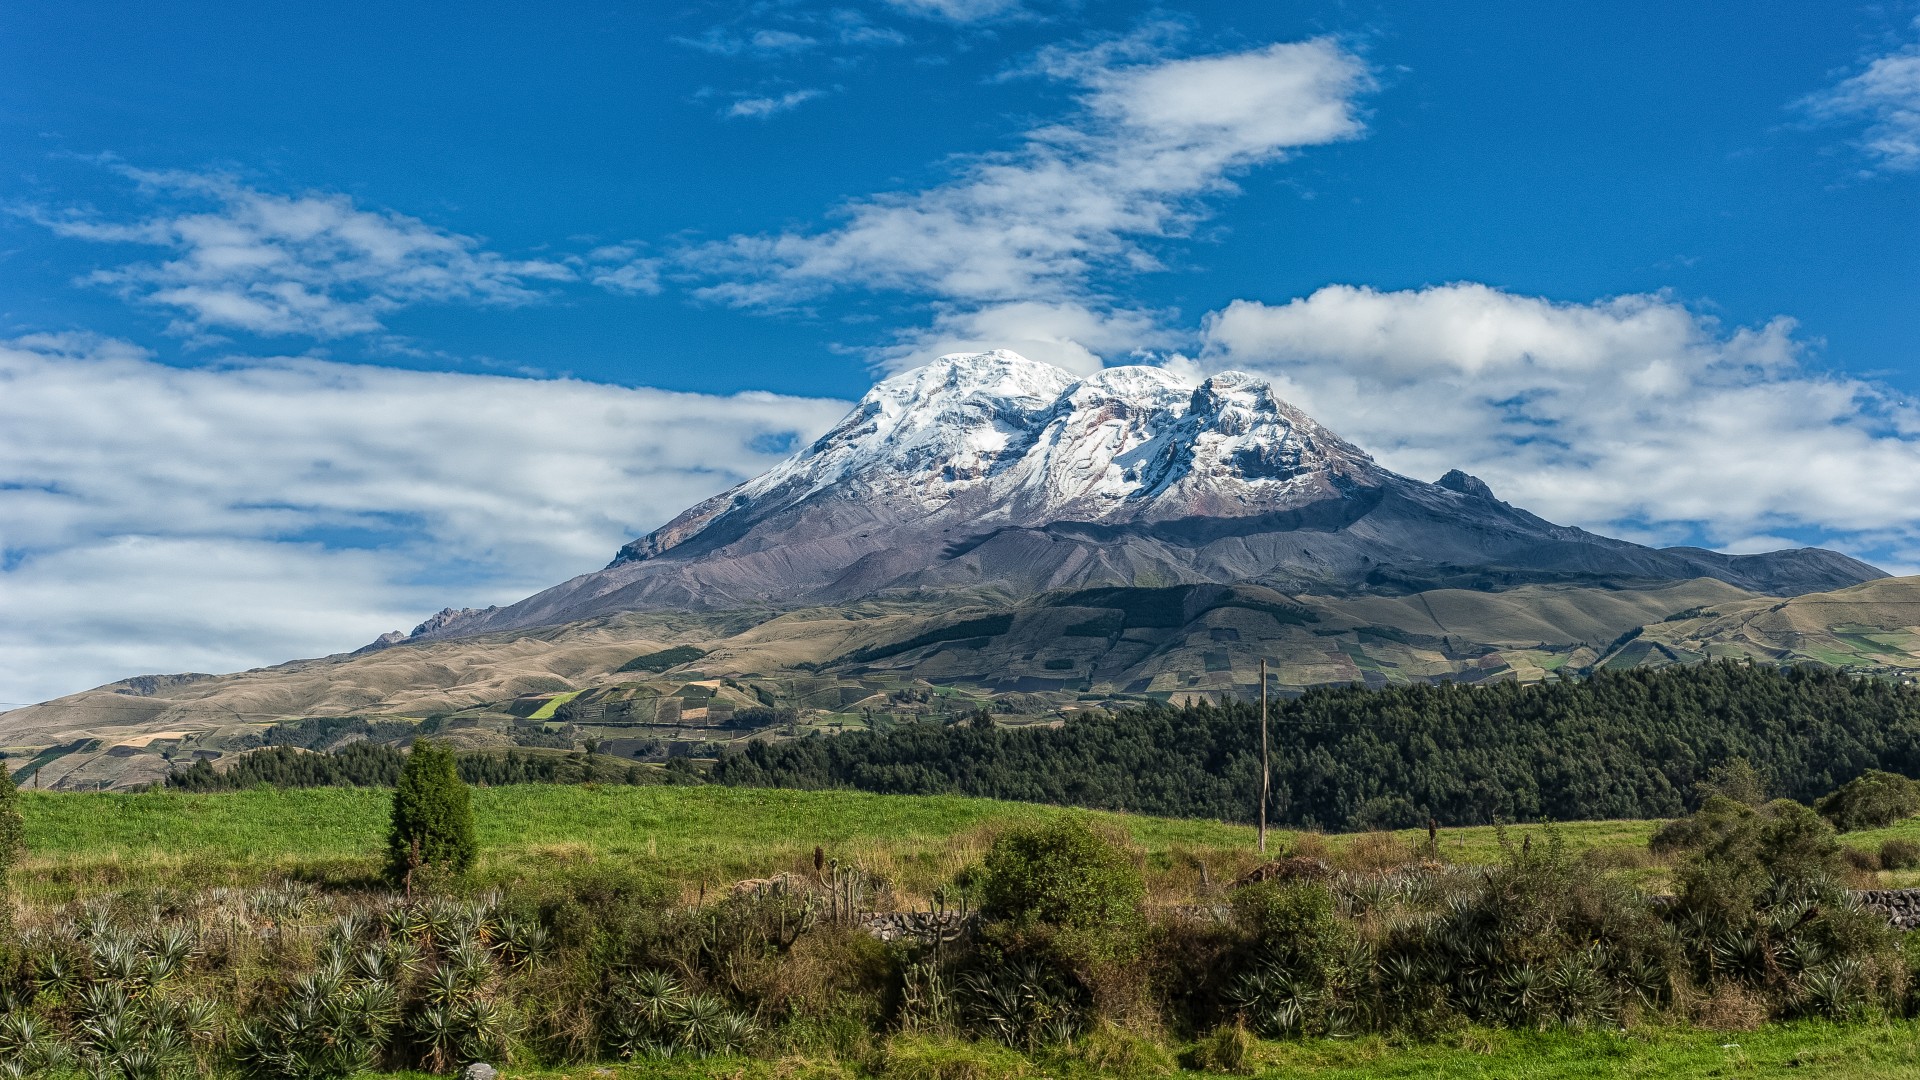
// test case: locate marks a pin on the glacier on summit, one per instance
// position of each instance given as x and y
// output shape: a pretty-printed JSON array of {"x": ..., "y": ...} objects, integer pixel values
[
  {"x": 1008, "y": 478},
  {"x": 1006, "y": 440}
]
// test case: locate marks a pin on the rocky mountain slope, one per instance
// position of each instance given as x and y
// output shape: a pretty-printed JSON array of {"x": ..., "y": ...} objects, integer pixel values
[{"x": 991, "y": 471}]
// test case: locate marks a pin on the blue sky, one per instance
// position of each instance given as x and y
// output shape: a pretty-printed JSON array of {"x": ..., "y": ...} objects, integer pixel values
[{"x": 1650, "y": 268}]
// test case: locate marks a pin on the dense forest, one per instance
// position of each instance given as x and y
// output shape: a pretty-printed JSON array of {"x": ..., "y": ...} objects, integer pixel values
[
  {"x": 364, "y": 764},
  {"x": 1628, "y": 744}
]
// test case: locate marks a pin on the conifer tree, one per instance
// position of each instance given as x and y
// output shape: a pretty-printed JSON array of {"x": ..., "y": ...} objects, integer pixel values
[{"x": 432, "y": 816}]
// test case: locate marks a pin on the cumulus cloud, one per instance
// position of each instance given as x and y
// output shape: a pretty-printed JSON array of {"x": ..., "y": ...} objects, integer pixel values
[
  {"x": 1066, "y": 334},
  {"x": 236, "y": 258},
  {"x": 760, "y": 108},
  {"x": 1632, "y": 413},
  {"x": 155, "y": 518},
  {"x": 1886, "y": 95},
  {"x": 1152, "y": 139}
]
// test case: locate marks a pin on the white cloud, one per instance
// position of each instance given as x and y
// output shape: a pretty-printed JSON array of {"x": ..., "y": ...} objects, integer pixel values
[
  {"x": 777, "y": 41},
  {"x": 155, "y": 518},
  {"x": 311, "y": 264},
  {"x": 841, "y": 26},
  {"x": 1887, "y": 96},
  {"x": 1065, "y": 334},
  {"x": 1631, "y": 411},
  {"x": 960, "y": 11},
  {"x": 1078, "y": 198},
  {"x": 762, "y": 43},
  {"x": 759, "y": 108},
  {"x": 620, "y": 268}
]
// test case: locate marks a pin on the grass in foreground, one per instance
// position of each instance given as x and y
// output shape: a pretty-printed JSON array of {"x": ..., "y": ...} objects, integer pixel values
[{"x": 1801, "y": 1050}]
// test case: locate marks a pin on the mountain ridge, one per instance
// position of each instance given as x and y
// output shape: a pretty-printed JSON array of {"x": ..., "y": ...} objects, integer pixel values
[{"x": 992, "y": 471}]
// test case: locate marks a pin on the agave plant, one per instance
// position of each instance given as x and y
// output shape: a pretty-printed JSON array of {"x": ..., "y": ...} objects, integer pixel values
[
  {"x": 1021, "y": 1004},
  {"x": 436, "y": 1032},
  {"x": 372, "y": 964},
  {"x": 322, "y": 1028},
  {"x": 1522, "y": 993},
  {"x": 523, "y": 940},
  {"x": 1741, "y": 954},
  {"x": 104, "y": 999},
  {"x": 174, "y": 944},
  {"x": 699, "y": 1024},
  {"x": 25, "y": 1042},
  {"x": 348, "y": 929},
  {"x": 117, "y": 959},
  {"x": 403, "y": 955},
  {"x": 405, "y": 921},
  {"x": 641, "y": 1021},
  {"x": 1840, "y": 990},
  {"x": 470, "y": 962},
  {"x": 1648, "y": 980},
  {"x": 441, "y": 922},
  {"x": 56, "y": 976},
  {"x": 444, "y": 987},
  {"x": 486, "y": 1031},
  {"x": 1581, "y": 996}
]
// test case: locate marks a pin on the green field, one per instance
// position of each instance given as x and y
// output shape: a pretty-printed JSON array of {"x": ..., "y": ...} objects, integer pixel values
[{"x": 697, "y": 836}]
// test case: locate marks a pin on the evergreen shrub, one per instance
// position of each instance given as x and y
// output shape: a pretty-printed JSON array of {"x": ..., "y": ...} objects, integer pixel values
[{"x": 432, "y": 822}]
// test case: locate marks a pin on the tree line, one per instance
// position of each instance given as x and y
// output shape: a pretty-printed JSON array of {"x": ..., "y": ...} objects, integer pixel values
[
  {"x": 1626, "y": 744},
  {"x": 364, "y": 764}
]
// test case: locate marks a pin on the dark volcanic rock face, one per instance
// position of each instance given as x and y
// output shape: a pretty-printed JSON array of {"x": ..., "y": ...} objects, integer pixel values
[{"x": 992, "y": 471}]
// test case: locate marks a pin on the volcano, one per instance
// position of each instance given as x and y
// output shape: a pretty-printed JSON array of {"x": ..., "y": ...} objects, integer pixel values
[{"x": 1010, "y": 478}]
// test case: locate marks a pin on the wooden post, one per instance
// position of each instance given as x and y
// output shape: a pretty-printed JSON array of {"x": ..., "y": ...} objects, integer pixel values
[{"x": 1265, "y": 774}]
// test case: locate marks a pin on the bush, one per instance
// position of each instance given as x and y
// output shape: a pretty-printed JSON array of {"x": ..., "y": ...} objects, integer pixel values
[
  {"x": 1897, "y": 854},
  {"x": 1065, "y": 881},
  {"x": 432, "y": 822},
  {"x": 1871, "y": 800},
  {"x": 1293, "y": 923}
]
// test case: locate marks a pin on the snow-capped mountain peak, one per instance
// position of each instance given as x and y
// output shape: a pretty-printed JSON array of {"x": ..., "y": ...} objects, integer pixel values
[{"x": 995, "y": 438}]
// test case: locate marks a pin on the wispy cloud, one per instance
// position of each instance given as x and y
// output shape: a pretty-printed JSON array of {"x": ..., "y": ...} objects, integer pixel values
[
  {"x": 760, "y": 108},
  {"x": 723, "y": 41},
  {"x": 1886, "y": 97},
  {"x": 960, "y": 11},
  {"x": 803, "y": 32},
  {"x": 1630, "y": 413},
  {"x": 1080, "y": 201},
  {"x": 237, "y": 258},
  {"x": 620, "y": 268},
  {"x": 154, "y": 518}
]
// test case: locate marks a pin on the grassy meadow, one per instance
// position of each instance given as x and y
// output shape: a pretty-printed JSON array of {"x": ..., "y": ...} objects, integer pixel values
[{"x": 698, "y": 837}]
